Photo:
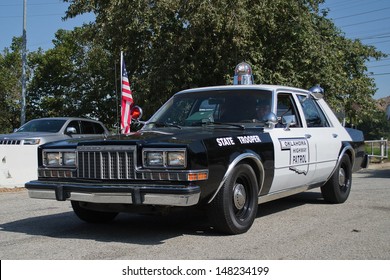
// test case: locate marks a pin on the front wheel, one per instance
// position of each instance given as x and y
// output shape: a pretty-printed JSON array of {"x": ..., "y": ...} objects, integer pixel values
[
  {"x": 338, "y": 187},
  {"x": 234, "y": 208},
  {"x": 92, "y": 216}
]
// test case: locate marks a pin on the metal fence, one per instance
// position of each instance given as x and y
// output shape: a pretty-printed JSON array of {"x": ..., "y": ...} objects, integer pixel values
[{"x": 378, "y": 149}]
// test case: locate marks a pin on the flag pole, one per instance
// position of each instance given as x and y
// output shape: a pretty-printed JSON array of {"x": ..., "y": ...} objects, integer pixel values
[
  {"x": 121, "y": 66},
  {"x": 116, "y": 98},
  {"x": 120, "y": 97}
]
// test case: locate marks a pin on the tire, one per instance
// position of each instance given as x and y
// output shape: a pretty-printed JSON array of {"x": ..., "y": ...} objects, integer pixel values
[
  {"x": 338, "y": 187},
  {"x": 92, "y": 216},
  {"x": 234, "y": 208}
]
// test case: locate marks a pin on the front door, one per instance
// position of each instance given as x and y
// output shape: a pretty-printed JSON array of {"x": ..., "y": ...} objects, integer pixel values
[{"x": 294, "y": 147}]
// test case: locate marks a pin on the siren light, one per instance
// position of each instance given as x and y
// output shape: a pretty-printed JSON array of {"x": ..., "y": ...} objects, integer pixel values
[{"x": 243, "y": 74}]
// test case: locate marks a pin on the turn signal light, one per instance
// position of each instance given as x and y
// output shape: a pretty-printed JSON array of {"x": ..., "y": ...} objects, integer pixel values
[{"x": 197, "y": 176}]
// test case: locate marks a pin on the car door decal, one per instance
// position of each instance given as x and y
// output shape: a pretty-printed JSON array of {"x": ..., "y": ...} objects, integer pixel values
[{"x": 299, "y": 153}]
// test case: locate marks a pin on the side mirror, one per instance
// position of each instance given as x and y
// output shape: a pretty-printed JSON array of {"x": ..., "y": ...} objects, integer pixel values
[
  {"x": 271, "y": 120},
  {"x": 71, "y": 130}
]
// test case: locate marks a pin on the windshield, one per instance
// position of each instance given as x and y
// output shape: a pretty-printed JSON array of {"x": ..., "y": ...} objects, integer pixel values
[
  {"x": 42, "y": 125},
  {"x": 217, "y": 106}
]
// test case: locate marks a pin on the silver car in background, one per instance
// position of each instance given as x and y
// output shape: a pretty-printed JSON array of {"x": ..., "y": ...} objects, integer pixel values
[{"x": 40, "y": 131}]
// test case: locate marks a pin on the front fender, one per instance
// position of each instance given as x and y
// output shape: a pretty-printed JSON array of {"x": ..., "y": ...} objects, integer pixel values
[{"x": 250, "y": 157}]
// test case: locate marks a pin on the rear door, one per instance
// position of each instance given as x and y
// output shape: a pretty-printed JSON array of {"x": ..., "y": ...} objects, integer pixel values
[{"x": 323, "y": 135}]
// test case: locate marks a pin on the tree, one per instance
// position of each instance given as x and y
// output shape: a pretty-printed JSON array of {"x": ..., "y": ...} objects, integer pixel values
[
  {"x": 176, "y": 44},
  {"x": 74, "y": 78},
  {"x": 10, "y": 86},
  {"x": 376, "y": 127}
]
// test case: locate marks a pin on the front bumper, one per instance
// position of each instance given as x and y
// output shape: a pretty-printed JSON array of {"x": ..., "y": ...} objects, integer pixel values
[{"x": 171, "y": 195}]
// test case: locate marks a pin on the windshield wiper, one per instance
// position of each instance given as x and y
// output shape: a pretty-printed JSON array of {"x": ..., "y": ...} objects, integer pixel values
[
  {"x": 240, "y": 126},
  {"x": 161, "y": 124}
]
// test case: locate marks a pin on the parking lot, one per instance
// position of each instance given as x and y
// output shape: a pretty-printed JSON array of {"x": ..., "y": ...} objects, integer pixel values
[{"x": 300, "y": 227}]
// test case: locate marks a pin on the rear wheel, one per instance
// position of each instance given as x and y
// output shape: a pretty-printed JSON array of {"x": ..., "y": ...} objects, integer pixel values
[
  {"x": 92, "y": 216},
  {"x": 234, "y": 208},
  {"x": 337, "y": 189}
]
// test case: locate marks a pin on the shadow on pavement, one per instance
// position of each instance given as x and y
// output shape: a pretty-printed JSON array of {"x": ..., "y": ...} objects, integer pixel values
[
  {"x": 376, "y": 172},
  {"x": 142, "y": 229}
]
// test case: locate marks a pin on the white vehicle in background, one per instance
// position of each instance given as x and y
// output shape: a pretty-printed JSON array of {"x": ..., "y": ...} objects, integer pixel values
[{"x": 40, "y": 131}]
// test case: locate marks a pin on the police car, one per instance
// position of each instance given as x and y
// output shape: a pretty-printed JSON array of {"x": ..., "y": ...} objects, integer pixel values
[{"x": 225, "y": 148}]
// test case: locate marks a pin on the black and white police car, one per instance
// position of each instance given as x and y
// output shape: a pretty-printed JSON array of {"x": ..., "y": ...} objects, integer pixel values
[{"x": 227, "y": 148}]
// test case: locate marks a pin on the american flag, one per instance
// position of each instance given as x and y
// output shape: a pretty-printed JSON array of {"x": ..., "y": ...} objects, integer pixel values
[{"x": 127, "y": 99}]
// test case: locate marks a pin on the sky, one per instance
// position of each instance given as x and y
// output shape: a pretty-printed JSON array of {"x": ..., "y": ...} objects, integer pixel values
[
  {"x": 367, "y": 20},
  {"x": 44, "y": 18}
]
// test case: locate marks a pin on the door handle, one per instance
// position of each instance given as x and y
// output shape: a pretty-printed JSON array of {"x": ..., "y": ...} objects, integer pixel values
[
  {"x": 308, "y": 135},
  {"x": 335, "y": 135}
]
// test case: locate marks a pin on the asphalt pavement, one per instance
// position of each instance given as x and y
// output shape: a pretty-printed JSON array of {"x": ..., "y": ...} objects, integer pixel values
[{"x": 300, "y": 227}]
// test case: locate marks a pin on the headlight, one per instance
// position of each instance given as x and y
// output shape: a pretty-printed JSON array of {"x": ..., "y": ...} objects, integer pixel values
[
  {"x": 52, "y": 158},
  {"x": 32, "y": 141},
  {"x": 176, "y": 159},
  {"x": 154, "y": 159},
  {"x": 164, "y": 158},
  {"x": 61, "y": 158},
  {"x": 69, "y": 158}
]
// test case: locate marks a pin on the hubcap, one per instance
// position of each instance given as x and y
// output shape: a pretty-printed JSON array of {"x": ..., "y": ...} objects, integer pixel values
[
  {"x": 341, "y": 177},
  {"x": 239, "y": 196}
]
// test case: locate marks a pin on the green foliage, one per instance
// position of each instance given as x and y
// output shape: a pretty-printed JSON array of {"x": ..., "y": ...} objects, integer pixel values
[
  {"x": 175, "y": 44},
  {"x": 10, "y": 86},
  {"x": 171, "y": 45},
  {"x": 75, "y": 78},
  {"x": 375, "y": 127}
]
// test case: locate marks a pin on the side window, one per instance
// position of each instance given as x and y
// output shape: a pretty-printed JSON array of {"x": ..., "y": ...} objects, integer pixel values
[
  {"x": 98, "y": 128},
  {"x": 87, "y": 127},
  {"x": 74, "y": 124},
  {"x": 286, "y": 110},
  {"x": 313, "y": 113}
]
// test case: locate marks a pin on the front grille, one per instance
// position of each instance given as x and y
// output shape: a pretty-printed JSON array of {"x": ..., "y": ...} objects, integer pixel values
[
  {"x": 106, "y": 162},
  {"x": 9, "y": 142},
  {"x": 112, "y": 163}
]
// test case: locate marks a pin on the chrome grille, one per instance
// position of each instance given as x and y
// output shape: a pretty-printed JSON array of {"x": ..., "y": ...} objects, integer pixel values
[
  {"x": 9, "y": 142},
  {"x": 106, "y": 162}
]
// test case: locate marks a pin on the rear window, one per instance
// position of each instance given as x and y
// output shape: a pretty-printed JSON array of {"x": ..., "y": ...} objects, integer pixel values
[{"x": 91, "y": 128}]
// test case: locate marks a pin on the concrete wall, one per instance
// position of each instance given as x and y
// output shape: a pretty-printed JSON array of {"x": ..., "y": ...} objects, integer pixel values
[{"x": 18, "y": 165}]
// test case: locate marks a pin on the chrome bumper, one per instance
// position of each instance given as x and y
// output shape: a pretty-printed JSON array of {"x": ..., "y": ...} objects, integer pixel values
[{"x": 123, "y": 194}]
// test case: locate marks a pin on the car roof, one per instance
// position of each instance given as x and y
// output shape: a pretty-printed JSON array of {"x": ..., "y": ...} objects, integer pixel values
[
  {"x": 67, "y": 118},
  {"x": 245, "y": 87}
]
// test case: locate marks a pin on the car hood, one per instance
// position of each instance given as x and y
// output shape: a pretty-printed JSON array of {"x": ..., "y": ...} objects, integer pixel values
[
  {"x": 25, "y": 135},
  {"x": 168, "y": 136}
]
